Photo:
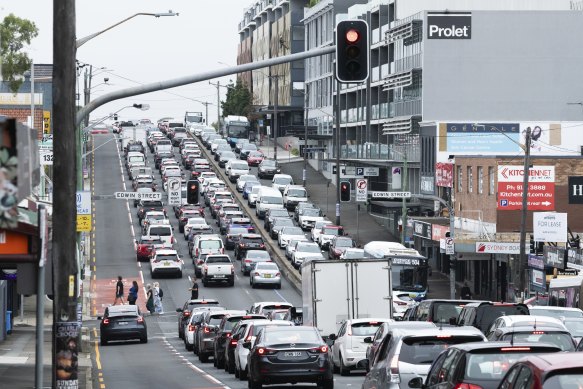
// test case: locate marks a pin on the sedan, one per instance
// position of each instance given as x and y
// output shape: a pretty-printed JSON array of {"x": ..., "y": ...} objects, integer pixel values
[
  {"x": 288, "y": 233},
  {"x": 255, "y": 158},
  {"x": 248, "y": 187},
  {"x": 338, "y": 245},
  {"x": 265, "y": 274},
  {"x": 304, "y": 250},
  {"x": 289, "y": 355},
  {"x": 253, "y": 257},
  {"x": 243, "y": 179},
  {"x": 122, "y": 322}
]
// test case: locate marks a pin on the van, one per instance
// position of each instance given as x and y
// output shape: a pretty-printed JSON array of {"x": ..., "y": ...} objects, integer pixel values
[
  {"x": 482, "y": 314},
  {"x": 202, "y": 246},
  {"x": 267, "y": 198},
  {"x": 164, "y": 231},
  {"x": 293, "y": 195}
]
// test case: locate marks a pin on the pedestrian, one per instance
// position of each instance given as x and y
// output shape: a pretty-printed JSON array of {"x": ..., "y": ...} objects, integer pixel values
[
  {"x": 133, "y": 293},
  {"x": 157, "y": 299},
  {"x": 194, "y": 290},
  {"x": 150, "y": 296},
  {"x": 118, "y": 291},
  {"x": 466, "y": 292}
]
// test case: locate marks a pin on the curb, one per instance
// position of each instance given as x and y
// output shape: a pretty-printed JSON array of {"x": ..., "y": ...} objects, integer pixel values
[{"x": 288, "y": 271}]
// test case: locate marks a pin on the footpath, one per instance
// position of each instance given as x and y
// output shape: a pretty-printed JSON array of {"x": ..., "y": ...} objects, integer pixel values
[{"x": 355, "y": 219}]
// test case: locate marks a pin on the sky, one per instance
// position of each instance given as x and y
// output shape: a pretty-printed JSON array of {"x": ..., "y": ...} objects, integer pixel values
[{"x": 146, "y": 49}]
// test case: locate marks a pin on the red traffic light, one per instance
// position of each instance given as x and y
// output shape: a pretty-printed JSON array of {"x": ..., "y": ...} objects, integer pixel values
[
  {"x": 193, "y": 187},
  {"x": 352, "y": 36},
  {"x": 344, "y": 187}
]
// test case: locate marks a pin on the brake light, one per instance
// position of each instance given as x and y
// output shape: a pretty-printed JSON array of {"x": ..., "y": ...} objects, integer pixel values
[
  {"x": 400, "y": 303},
  {"x": 232, "y": 269},
  {"x": 140, "y": 319},
  {"x": 222, "y": 250},
  {"x": 247, "y": 261},
  {"x": 105, "y": 321},
  {"x": 278, "y": 274},
  {"x": 207, "y": 330},
  {"x": 463, "y": 385},
  {"x": 233, "y": 342},
  {"x": 538, "y": 332},
  {"x": 515, "y": 349},
  {"x": 256, "y": 273},
  {"x": 196, "y": 253},
  {"x": 443, "y": 336},
  {"x": 394, "y": 368},
  {"x": 191, "y": 328},
  {"x": 321, "y": 349},
  {"x": 187, "y": 313}
]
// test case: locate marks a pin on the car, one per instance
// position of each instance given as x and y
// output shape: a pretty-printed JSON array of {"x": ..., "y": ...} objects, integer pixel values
[
  {"x": 555, "y": 311},
  {"x": 544, "y": 371},
  {"x": 223, "y": 335},
  {"x": 401, "y": 302},
  {"x": 165, "y": 261},
  {"x": 353, "y": 253},
  {"x": 575, "y": 327},
  {"x": 226, "y": 157},
  {"x": 235, "y": 169},
  {"x": 255, "y": 158},
  {"x": 442, "y": 311},
  {"x": 270, "y": 216},
  {"x": 229, "y": 217},
  {"x": 243, "y": 179},
  {"x": 347, "y": 350},
  {"x": 240, "y": 143},
  {"x": 327, "y": 232},
  {"x": 195, "y": 222},
  {"x": 220, "y": 150},
  {"x": 407, "y": 353},
  {"x": 248, "y": 336},
  {"x": 268, "y": 168},
  {"x": 293, "y": 195},
  {"x": 252, "y": 195},
  {"x": 291, "y": 246},
  {"x": 196, "y": 230},
  {"x": 246, "y": 149},
  {"x": 280, "y": 181},
  {"x": 232, "y": 236},
  {"x": 185, "y": 310},
  {"x": 248, "y": 187},
  {"x": 303, "y": 250},
  {"x": 338, "y": 245},
  {"x": 251, "y": 257},
  {"x": 215, "y": 144},
  {"x": 317, "y": 229},
  {"x": 164, "y": 231},
  {"x": 151, "y": 216},
  {"x": 192, "y": 216},
  {"x": 218, "y": 268},
  {"x": 482, "y": 314},
  {"x": 477, "y": 365},
  {"x": 264, "y": 307},
  {"x": 288, "y": 233},
  {"x": 206, "y": 332},
  {"x": 289, "y": 355},
  {"x": 193, "y": 322},
  {"x": 248, "y": 242},
  {"x": 146, "y": 245},
  {"x": 149, "y": 205},
  {"x": 122, "y": 322},
  {"x": 204, "y": 245},
  {"x": 265, "y": 273},
  {"x": 300, "y": 208},
  {"x": 308, "y": 217},
  {"x": 278, "y": 224}
]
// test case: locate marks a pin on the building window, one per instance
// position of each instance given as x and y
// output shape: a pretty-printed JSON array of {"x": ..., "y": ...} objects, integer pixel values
[
  {"x": 470, "y": 180},
  {"x": 491, "y": 179},
  {"x": 459, "y": 179},
  {"x": 480, "y": 180}
]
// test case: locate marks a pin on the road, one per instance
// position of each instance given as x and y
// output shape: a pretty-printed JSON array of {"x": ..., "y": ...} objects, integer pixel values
[{"x": 163, "y": 361}]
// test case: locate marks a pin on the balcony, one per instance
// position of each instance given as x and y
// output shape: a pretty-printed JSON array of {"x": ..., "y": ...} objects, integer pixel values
[
  {"x": 406, "y": 108},
  {"x": 408, "y": 63}
]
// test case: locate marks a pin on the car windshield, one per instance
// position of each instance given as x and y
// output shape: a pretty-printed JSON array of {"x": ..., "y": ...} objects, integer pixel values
[
  {"x": 311, "y": 212},
  {"x": 255, "y": 154},
  {"x": 353, "y": 254},
  {"x": 292, "y": 231},
  {"x": 228, "y": 155},
  {"x": 343, "y": 242},
  {"x": 560, "y": 339},
  {"x": 296, "y": 336},
  {"x": 444, "y": 311},
  {"x": 218, "y": 259},
  {"x": 167, "y": 257},
  {"x": 268, "y": 163},
  {"x": 282, "y": 181},
  {"x": 557, "y": 312},
  {"x": 249, "y": 147},
  {"x": 247, "y": 177},
  {"x": 271, "y": 200},
  {"x": 488, "y": 313},
  {"x": 216, "y": 320},
  {"x": 297, "y": 193},
  {"x": 365, "y": 329},
  {"x": 258, "y": 240},
  {"x": 152, "y": 203},
  {"x": 255, "y": 189},
  {"x": 331, "y": 231},
  {"x": 210, "y": 244},
  {"x": 422, "y": 350},
  {"x": 257, "y": 254},
  {"x": 491, "y": 366},
  {"x": 151, "y": 241},
  {"x": 564, "y": 380},
  {"x": 145, "y": 189},
  {"x": 237, "y": 231},
  {"x": 279, "y": 213},
  {"x": 161, "y": 231},
  {"x": 239, "y": 166},
  {"x": 266, "y": 266},
  {"x": 308, "y": 248},
  {"x": 575, "y": 327}
]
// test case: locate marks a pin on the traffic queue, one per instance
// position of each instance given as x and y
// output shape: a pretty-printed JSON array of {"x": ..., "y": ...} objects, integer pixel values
[{"x": 462, "y": 344}]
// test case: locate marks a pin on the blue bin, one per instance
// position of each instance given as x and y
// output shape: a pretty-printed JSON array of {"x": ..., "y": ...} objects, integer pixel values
[{"x": 8, "y": 322}]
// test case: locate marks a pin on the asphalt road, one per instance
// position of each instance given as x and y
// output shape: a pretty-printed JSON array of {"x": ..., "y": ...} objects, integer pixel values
[{"x": 163, "y": 361}]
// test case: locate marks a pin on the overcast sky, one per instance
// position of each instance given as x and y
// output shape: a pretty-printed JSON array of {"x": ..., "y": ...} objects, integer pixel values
[{"x": 146, "y": 49}]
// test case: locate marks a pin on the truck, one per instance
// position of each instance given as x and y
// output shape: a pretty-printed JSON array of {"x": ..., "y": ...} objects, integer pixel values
[
  {"x": 133, "y": 134},
  {"x": 218, "y": 268},
  {"x": 362, "y": 288},
  {"x": 193, "y": 118}
]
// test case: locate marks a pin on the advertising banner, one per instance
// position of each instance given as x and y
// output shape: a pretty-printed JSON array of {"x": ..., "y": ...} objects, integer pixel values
[
  {"x": 67, "y": 351},
  {"x": 471, "y": 138},
  {"x": 444, "y": 174},
  {"x": 549, "y": 226},
  {"x": 541, "y": 188}
]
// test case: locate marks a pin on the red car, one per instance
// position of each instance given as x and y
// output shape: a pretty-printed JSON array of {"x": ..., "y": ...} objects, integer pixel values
[
  {"x": 557, "y": 370},
  {"x": 255, "y": 158},
  {"x": 338, "y": 245},
  {"x": 146, "y": 245}
]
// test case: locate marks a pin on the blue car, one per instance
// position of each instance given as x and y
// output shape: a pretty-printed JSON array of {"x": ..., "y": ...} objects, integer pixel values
[{"x": 247, "y": 188}]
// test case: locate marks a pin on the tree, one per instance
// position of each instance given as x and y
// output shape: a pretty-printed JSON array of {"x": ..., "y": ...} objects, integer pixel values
[
  {"x": 239, "y": 100},
  {"x": 14, "y": 34}
]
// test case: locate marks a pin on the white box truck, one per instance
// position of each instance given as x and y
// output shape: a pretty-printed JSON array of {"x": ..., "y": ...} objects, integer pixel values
[
  {"x": 134, "y": 134},
  {"x": 336, "y": 290}
]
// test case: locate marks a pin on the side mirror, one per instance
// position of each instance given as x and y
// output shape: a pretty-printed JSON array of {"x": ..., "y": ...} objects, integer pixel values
[
  {"x": 332, "y": 337},
  {"x": 368, "y": 339},
  {"x": 136, "y": 241},
  {"x": 416, "y": 382},
  {"x": 247, "y": 345},
  {"x": 178, "y": 309}
]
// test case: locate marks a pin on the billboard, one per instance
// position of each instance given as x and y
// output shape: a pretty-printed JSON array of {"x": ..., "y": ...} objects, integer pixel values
[
  {"x": 541, "y": 188},
  {"x": 444, "y": 174}
]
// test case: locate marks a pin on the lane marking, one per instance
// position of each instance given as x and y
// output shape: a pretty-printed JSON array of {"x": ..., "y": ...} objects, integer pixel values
[
  {"x": 97, "y": 356},
  {"x": 279, "y": 294}
]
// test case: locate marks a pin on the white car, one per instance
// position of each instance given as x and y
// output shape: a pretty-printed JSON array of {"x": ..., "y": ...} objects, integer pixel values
[
  {"x": 317, "y": 229},
  {"x": 165, "y": 261},
  {"x": 401, "y": 302},
  {"x": 307, "y": 220},
  {"x": 195, "y": 316},
  {"x": 288, "y": 233},
  {"x": 215, "y": 143},
  {"x": 349, "y": 348},
  {"x": 203, "y": 176},
  {"x": 291, "y": 246},
  {"x": 252, "y": 197},
  {"x": 243, "y": 179},
  {"x": 265, "y": 273},
  {"x": 304, "y": 250},
  {"x": 193, "y": 222},
  {"x": 236, "y": 168},
  {"x": 280, "y": 181},
  {"x": 251, "y": 331}
]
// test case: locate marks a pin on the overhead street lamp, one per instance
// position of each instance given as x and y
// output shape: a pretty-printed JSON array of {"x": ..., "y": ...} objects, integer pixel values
[{"x": 80, "y": 42}]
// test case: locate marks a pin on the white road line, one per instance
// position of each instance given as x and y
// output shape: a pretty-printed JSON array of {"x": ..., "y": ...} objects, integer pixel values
[{"x": 279, "y": 294}]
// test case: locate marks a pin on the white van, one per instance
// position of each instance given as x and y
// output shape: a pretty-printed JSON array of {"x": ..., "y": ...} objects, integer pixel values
[
  {"x": 293, "y": 195},
  {"x": 164, "y": 231},
  {"x": 267, "y": 198}
]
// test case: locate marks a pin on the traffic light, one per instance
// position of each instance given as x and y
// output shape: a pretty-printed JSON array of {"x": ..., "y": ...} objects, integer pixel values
[
  {"x": 532, "y": 245},
  {"x": 192, "y": 192},
  {"x": 115, "y": 117},
  {"x": 352, "y": 51},
  {"x": 345, "y": 191}
]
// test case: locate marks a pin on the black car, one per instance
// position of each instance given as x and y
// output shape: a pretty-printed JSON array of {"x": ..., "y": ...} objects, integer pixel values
[
  {"x": 248, "y": 242},
  {"x": 442, "y": 311},
  {"x": 223, "y": 331},
  {"x": 476, "y": 365},
  {"x": 149, "y": 205},
  {"x": 159, "y": 157},
  {"x": 289, "y": 355},
  {"x": 278, "y": 224},
  {"x": 268, "y": 168},
  {"x": 271, "y": 214},
  {"x": 482, "y": 314},
  {"x": 184, "y": 312},
  {"x": 233, "y": 235},
  {"x": 122, "y": 322}
]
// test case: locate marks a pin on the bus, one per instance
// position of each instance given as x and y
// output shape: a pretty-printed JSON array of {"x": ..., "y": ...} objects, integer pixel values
[
  {"x": 566, "y": 292},
  {"x": 236, "y": 127},
  {"x": 409, "y": 268}
]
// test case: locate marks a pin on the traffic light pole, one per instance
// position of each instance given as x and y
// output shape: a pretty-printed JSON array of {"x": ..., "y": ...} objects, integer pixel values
[
  {"x": 521, "y": 276},
  {"x": 337, "y": 118},
  {"x": 404, "y": 207}
]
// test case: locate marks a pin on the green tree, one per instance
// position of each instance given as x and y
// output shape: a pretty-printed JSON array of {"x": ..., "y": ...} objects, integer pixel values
[
  {"x": 14, "y": 34},
  {"x": 239, "y": 100}
]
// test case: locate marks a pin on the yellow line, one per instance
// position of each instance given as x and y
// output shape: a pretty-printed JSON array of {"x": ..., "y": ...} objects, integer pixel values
[
  {"x": 101, "y": 386},
  {"x": 100, "y": 374},
  {"x": 95, "y": 332},
  {"x": 97, "y": 357},
  {"x": 94, "y": 267},
  {"x": 100, "y": 379},
  {"x": 94, "y": 277},
  {"x": 94, "y": 313},
  {"x": 93, "y": 251}
]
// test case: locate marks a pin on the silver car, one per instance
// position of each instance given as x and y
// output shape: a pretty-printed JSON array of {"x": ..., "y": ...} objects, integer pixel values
[
  {"x": 288, "y": 233},
  {"x": 265, "y": 273}
]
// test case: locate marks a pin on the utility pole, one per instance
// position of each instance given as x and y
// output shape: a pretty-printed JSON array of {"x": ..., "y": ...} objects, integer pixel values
[
  {"x": 66, "y": 328},
  {"x": 404, "y": 207},
  {"x": 452, "y": 257},
  {"x": 521, "y": 275},
  {"x": 275, "y": 121},
  {"x": 218, "y": 85},
  {"x": 337, "y": 117},
  {"x": 206, "y": 105},
  {"x": 307, "y": 101},
  {"x": 87, "y": 89}
]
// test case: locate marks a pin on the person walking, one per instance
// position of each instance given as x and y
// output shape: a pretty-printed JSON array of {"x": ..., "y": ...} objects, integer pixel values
[
  {"x": 466, "y": 293},
  {"x": 150, "y": 302},
  {"x": 118, "y": 291},
  {"x": 157, "y": 298},
  {"x": 133, "y": 293},
  {"x": 194, "y": 290}
]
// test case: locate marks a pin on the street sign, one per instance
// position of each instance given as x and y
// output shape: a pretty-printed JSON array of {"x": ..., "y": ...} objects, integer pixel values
[
  {"x": 83, "y": 203},
  {"x": 83, "y": 223},
  {"x": 174, "y": 191},
  {"x": 367, "y": 171},
  {"x": 449, "y": 247},
  {"x": 45, "y": 150},
  {"x": 137, "y": 196},
  {"x": 549, "y": 226},
  {"x": 541, "y": 188},
  {"x": 361, "y": 190},
  {"x": 390, "y": 195}
]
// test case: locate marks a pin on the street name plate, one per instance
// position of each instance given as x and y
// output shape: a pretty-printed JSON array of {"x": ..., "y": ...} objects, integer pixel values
[
  {"x": 390, "y": 195},
  {"x": 137, "y": 196}
]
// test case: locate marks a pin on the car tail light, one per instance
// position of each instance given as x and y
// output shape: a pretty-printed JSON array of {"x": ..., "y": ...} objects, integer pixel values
[
  {"x": 262, "y": 245},
  {"x": 207, "y": 330},
  {"x": 322, "y": 349},
  {"x": 140, "y": 319},
  {"x": 278, "y": 274},
  {"x": 265, "y": 351},
  {"x": 247, "y": 261},
  {"x": 222, "y": 250},
  {"x": 256, "y": 273},
  {"x": 232, "y": 269},
  {"x": 196, "y": 253},
  {"x": 400, "y": 303},
  {"x": 105, "y": 321},
  {"x": 394, "y": 369},
  {"x": 463, "y": 385},
  {"x": 186, "y": 313},
  {"x": 233, "y": 342},
  {"x": 206, "y": 268},
  {"x": 515, "y": 349},
  {"x": 191, "y": 328},
  {"x": 538, "y": 332}
]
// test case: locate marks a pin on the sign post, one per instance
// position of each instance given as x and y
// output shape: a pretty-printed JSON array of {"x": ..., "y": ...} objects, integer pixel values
[
  {"x": 83, "y": 211},
  {"x": 361, "y": 190},
  {"x": 174, "y": 191}
]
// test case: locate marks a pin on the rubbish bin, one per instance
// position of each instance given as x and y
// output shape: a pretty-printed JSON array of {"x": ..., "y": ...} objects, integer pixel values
[{"x": 8, "y": 322}]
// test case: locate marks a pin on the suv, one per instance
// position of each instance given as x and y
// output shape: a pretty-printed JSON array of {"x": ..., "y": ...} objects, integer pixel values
[
  {"x": 270, "y": 216},
  {"x": 203, "y": 245},
  {"x": 280, "y": 181},
  {"x": 327, "y": 232},
  {"x": 293, "y": 195},
  {"x": 206, "y": 332},
  {"x": 224, "y": 329},
  {"x": 149, "y": 205},
  {"x": 184, "y": 312},
  {"x": 248, "y": 242},
  {"x": 482, "y": 314},
  {"x": 165, "y": 261},
  {"x": 439, "y": 311}
]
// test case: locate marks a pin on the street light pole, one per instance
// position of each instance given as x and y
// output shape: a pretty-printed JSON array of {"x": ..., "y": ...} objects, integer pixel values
[
  {"x": 521, "y": 276},
  {"x": 305, "y": 172},
  {"x": 404, "y": 206},
  {"x": 275, "y": 119}
]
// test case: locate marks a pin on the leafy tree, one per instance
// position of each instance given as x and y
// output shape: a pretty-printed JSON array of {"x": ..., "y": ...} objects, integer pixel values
[
  {"x": 239, "y": 100},
  {"x": 14, "y": 34}
]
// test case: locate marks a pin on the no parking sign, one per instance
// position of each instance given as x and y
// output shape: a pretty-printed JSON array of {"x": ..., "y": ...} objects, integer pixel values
[{"x": 361, "y": 190}]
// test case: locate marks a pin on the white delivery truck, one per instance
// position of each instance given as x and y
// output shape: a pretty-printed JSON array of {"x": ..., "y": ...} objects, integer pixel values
[
  {"x": 334, "y": 290},
  {"x": 134, "y": 134}
]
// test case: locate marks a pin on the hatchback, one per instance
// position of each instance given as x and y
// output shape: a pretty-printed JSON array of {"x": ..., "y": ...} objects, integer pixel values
[
  {"x": 482, "y": 314},
  {"x": 228, "y": 323},
  {"x": 122, "y": 322}
]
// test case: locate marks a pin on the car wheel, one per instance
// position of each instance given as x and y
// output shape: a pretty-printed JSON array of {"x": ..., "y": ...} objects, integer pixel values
[
  {"x": 242, "y": 375},
  {"x": 232, "y": 283},
  {"x": 344, "y": 371},
  {"x": 144, "y": 340},
  {"x": 203, "y": 357},
  {"x": 152, "y": 275},
  {"x": 188, "y": 347},
  {"x": 220, "y": 363},
  {"x": 327, "y": 384},
  {"x": 180, "y": 275},
  {"x": 103, "y": 341},
  {"x": 181, "y": 229},
  {"x": 205, "y": 282},
  {"x": 278, "y": 286},
  {"x": 230, "y": 367},
  {"x": 251, "y": 283},
  {"x": 254, "y": 384}
]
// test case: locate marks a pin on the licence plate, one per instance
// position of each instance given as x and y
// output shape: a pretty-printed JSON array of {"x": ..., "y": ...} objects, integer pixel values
[
  {"x": 166, "y": 263},
  {"x": 220, "y": 276},
  {"x": 267, "y": 275},
  {"x": 294, "y": 354},
  {"x": 121, "y": 323}
]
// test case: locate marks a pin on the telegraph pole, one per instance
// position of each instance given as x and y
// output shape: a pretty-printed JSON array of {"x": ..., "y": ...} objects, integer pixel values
[
  {"x": 218, "y": 85},
  {"x": 66, "y": 328},
  {"x": 521, "y": 275},
  {"x": 275, "y": 121},
  {"x": 206, "y": 105}
]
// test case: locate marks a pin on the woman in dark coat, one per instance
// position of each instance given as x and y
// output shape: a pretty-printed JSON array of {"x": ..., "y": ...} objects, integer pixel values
[{"x": 150, "y": 302}]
